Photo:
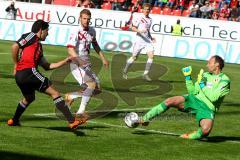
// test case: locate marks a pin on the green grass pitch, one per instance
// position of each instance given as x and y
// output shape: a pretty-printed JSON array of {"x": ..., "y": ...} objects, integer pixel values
[{"x": 43, "y": 136}]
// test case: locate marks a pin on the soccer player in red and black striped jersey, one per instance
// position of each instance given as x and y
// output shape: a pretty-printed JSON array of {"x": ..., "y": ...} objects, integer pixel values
[{"x": 27, "y": 55}]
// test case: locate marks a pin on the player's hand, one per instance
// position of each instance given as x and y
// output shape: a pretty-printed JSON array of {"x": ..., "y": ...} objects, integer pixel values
[
  {"x": 69, "y": 59},
  {"x": 200, "y": 79},
  {"x": 77, "y": 60},
  {"x": 105, "y": 63},
  {"x": 187, "y": 71}
]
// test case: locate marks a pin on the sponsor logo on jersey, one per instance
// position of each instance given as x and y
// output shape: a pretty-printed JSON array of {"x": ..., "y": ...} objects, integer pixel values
[
  {"x": 23, "y": 42},
  {"x": 209, "y": 84}
]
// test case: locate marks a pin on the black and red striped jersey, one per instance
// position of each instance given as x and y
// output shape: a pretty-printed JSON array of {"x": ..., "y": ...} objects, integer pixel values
[{"x": 31, "y": 51}]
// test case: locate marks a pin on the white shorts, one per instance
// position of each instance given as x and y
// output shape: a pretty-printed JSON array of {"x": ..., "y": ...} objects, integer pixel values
[
  {"x": 138, "y": 47},
  {"x": 83, "y": 74}
]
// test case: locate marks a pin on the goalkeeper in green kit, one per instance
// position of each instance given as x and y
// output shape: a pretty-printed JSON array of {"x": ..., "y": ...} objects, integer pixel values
[{"x": 203, "y": 99}]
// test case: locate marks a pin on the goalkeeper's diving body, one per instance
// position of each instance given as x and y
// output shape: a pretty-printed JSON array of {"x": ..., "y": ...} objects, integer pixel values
[{"x": 203, "y": 99}]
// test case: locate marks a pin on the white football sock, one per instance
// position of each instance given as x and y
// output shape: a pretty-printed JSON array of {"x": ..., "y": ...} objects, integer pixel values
[
  {"x": 84, "y": 102},
  {"x": 148, "y": 65},
  {"x": 129, "y": 62},
  {"x": 86, "y": 95}
]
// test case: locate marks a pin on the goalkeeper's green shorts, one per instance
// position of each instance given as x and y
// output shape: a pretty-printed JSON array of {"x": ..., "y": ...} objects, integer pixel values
[{"x": 193, "y": 105}]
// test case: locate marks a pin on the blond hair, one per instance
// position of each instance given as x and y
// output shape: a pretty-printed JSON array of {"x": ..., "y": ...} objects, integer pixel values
[
  {"x": 85, "y": 11},
  {"x": 147, "y": 5}
]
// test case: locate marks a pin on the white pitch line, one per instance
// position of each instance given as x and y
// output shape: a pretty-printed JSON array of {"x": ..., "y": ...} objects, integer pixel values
[
  {"x": 148, "y": 130},
  {"x": 120, "y": 126},
  {"x": 45, "y": 114},
  {"x": 113, "y": 125},
  {"x": 131, "y": 109},
  {"x": 95, "y": 111},
  {"x": 138, "y": 129}
]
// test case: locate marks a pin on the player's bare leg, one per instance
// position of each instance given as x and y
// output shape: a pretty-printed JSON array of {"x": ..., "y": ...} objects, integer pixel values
[{"x": 148, "y": 66}]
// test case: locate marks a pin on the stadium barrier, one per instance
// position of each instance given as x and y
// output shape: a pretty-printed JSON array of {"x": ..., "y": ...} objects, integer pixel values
[{"x": 202, "y": 38}]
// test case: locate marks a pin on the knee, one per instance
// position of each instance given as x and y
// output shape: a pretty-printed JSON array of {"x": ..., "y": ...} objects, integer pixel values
[
  {"x": 206, "y": 126},
  {"x": 52, "y": 92},
  {"x": 134, "y": 58},
  {"x": 206, "y": 130},
  {"x": 169, "y": 102},
  {"x": 150, "y": 56},
  {"x": 56, "y": 94},
  {"x": 91, "y": 85},
  {"x": 28, "y": 100}
]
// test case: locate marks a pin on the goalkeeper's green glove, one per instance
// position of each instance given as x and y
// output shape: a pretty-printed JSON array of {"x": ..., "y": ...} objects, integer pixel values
[
  {"x": 187, "y": 72},
  {"x": 200, "y": 79}
]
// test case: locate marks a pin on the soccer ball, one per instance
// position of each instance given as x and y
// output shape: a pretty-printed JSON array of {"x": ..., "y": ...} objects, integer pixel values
[{"x": 131, "y": 120}]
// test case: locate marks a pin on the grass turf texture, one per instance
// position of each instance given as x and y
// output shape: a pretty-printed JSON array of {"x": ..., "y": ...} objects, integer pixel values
[{"x": 46, "y": 137}]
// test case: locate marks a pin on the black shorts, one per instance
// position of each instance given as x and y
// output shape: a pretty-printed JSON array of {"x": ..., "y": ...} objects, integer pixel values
[{"x": 29, "y": 80}]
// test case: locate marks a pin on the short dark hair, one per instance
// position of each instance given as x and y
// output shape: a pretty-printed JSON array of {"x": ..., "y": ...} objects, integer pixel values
[
  {"x": 219, "y": 60},
  {"x": 39, "y": 24},
  {"x": 178, "y": 21},
  {"x": 85, "y": 11}
]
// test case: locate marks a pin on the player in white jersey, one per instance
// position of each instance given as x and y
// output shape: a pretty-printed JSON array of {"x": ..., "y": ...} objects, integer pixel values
[
  {"x": 144, "y": 40},
  {"x": 79, "y": 47}
]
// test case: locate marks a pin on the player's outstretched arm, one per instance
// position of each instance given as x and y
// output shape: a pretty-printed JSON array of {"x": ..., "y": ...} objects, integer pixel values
[
  {"x": 100, "y": 53},
  {"x": 15, "y": 51},
  {"x": 49, "y": 66},
  {"x": 60, "y": 63},
  {"x": 75, "y": 58}
]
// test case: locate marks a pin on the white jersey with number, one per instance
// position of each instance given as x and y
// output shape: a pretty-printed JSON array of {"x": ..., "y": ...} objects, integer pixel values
[
  {"x": 143, "y": 23},
  {"x": 81, "y": 41}
]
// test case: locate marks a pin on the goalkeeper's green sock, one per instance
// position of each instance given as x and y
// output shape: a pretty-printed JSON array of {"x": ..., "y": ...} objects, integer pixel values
[
  {"x": 155, "y": 111},
  {"x": 196, "y": 135}
]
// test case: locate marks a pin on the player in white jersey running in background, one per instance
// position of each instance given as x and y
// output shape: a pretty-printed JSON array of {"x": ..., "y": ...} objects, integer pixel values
[
  {"x": 79, "y": 47},
  {"x": 144, "y": 40}
]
